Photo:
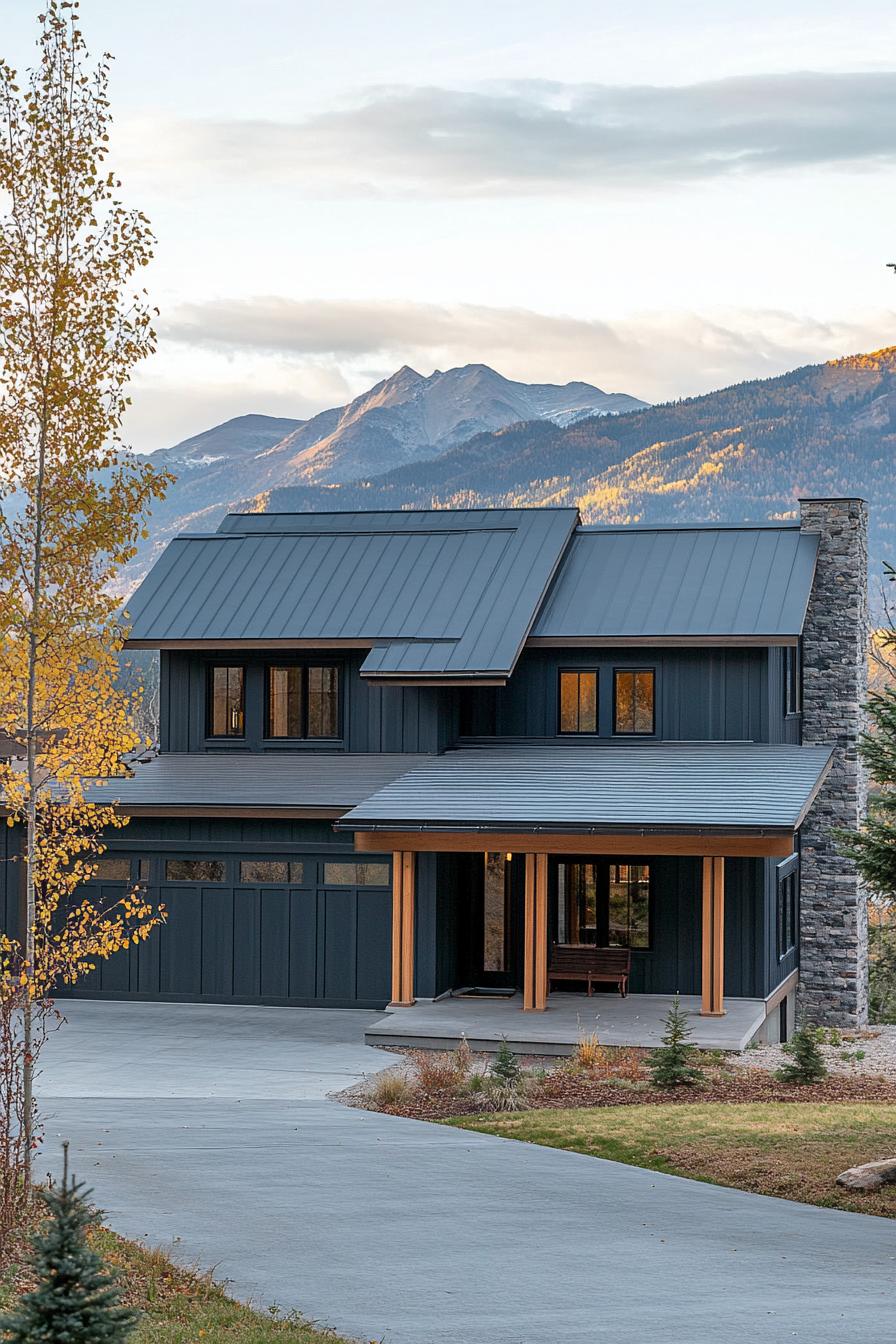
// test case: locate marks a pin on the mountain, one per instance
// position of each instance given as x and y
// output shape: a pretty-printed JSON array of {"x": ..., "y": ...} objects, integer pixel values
[
  {"x": 745, "y": 452},
  {"x": 401, "y": 421}
]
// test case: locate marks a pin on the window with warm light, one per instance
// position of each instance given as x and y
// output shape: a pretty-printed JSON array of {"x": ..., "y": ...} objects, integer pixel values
[
  {"x": 227, "y": 701},
  {"x": 303, "y": 702},
  {"x": 578, "y": 702},
  {"x": 633, "y": 701}
]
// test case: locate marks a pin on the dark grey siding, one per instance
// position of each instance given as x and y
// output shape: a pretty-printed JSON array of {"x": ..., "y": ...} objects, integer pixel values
[
  {"x": 374, "y": 718},
  {"x": 304, "y": 944},
  {"x": 702, "y": 694},
  {"x": 10, "y": 882},
  {"x": 782, "y": 727}
]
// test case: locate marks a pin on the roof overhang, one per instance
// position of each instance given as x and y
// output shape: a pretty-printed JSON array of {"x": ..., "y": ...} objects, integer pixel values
[{"x": 627, "y": 843}]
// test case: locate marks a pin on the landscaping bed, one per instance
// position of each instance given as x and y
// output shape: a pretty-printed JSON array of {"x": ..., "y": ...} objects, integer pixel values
[
  {"x": 179, "y": 1306},
  {"x": 792, "y": 1149},
  {"x": 441, "y": 1085}
]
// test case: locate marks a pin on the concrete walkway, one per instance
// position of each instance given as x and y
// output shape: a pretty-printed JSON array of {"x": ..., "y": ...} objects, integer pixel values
[{"x": 417, "y": 1234}]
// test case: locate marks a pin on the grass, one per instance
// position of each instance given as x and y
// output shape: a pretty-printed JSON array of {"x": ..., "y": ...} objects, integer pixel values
[
  {"x": 794, "y": 1150},
  {"x": 184, "y": 1307}
]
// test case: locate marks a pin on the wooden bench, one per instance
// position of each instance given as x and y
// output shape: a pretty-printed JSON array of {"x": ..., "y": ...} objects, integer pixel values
[{"x": 582, "y": 961}]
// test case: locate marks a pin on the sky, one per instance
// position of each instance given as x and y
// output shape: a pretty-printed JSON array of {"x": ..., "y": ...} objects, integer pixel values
[{"x": 659, "y": 199}]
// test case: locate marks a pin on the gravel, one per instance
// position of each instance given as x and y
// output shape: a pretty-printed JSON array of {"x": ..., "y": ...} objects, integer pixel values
[{"x": 877, "y": 1043}]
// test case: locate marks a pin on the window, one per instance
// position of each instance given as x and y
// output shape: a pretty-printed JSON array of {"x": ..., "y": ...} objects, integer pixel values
[
  {"x": 788, "y": 896},
  {"x": 303, "y": 701},
  {"x": 194, "y": 870},
  {"x": 793, "y": 680},
  {"x": 603, "y": 903},
  {"x": 285, "y": 702},
  {"x": 256, "y": 871},
  {"x": 629, "y": 905},
  {"x": 494, "y": 922},
  {"x": 227, "y": 702},
  {"x": 143, "y": 870},
  {"x": 578, "y": 702},
  {"x": 633, "y": 701},
  {"x": 113, "y": 870},
  {"x": 356, "y": 874}
]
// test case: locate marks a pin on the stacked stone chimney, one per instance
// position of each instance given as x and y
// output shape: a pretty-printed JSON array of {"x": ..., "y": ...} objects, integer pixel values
[{"x": 833, "y": 904}]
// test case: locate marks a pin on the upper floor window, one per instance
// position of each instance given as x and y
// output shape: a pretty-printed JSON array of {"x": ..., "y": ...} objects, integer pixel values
[
  {"x": 227, "y": 701},
  {"x": 578, "y": 702},
  {"x": 793, "y": 680},
  {"x": 303, "y": 701},
  {"x": 633, "y": 701}
]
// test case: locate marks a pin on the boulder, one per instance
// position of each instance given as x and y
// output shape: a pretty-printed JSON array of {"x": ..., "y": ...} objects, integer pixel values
[{"x": 869, "y": 1177}]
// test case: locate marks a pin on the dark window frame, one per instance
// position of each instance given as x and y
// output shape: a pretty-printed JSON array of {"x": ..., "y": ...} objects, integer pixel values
[
  {"x": 602, "y": 865},
  {"x": 634, "y": 732},
  {"x": 792, "y": 678},
  {"x": 787, "y": 906},
  {"x": 210, "y": 702},
  {"x": 578, "y": 672},
  {"x": 305, "y": 667}
]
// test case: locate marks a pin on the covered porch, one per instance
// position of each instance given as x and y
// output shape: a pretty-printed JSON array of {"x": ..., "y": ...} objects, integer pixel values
[
  {"x": 637, "y": 1020},
  {"x": 675, "y": 829}
]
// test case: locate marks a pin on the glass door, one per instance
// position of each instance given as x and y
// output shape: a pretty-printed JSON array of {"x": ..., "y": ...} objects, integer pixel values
[{"x": 489, "y": 956}]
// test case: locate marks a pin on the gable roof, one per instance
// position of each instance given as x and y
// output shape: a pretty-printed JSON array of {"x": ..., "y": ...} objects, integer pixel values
[
  {"x": 437, "y": 595},
  {"x": 688, "y": 582}
]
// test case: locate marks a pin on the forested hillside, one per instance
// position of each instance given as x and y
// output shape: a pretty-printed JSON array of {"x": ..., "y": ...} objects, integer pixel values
[{"x": 746, "y": 452}]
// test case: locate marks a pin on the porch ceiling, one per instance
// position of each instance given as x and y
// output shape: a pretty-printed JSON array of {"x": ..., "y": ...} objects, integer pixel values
[{"x": 616, "y": 790}]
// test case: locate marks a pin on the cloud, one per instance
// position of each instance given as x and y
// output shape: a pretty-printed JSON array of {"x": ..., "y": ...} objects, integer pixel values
[
  {"x": 535, "y": 136},
  {"x": 653, "y": 355}
]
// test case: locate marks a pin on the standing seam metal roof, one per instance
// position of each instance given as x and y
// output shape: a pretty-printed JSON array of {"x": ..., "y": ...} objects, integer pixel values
[
  {"x": 688, "y": 582},
  {"x": 442, "y": 594}
]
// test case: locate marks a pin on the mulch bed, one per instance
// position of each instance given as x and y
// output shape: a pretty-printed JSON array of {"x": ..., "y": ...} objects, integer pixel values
[{"x": 562, "y": 1089}]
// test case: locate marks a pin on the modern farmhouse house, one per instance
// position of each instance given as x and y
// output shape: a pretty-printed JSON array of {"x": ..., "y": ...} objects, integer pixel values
[{"x": 415, "y": 753}]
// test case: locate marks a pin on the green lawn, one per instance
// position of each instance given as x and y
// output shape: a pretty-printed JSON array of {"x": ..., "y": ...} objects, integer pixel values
[
  {"x": 185, "y": 1308},
  {"x": 791, "y": 1149}
]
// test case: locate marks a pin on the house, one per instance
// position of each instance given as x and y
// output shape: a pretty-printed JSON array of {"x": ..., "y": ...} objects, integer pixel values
[{"x": 404, "y": 753}]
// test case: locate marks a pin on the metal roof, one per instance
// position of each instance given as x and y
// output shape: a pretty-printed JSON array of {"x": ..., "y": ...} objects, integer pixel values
[
  {"x": 701, "y": 582},
  {"x": 668, "y": 786},
  {"x": 454, "y": 593},
  {"x": 332, "y": 782}
]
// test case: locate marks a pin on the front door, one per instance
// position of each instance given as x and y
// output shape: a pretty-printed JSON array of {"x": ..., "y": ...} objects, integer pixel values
[{"x": 489, "y": 950}]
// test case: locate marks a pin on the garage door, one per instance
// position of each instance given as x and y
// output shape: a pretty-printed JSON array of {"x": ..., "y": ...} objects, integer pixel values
[{"x": 253, "y": 928}]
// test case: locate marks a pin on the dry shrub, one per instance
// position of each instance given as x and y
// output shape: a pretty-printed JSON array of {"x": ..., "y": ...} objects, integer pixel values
[
  {"x": 626, "y": 1063},
  {"x": 505, "y": 1095},
  {"x": 390, "y": 1091},
  {"x": 463, "y": 1059},
  {"x": 589, "y": 1054},
  {"x": 435, "y": 1070}
]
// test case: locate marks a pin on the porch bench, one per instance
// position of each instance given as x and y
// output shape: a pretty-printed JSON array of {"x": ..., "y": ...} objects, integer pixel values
[{"x": 582, "y": 961}]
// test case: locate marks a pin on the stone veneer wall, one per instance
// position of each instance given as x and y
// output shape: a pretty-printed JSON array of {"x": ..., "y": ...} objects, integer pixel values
[{"x": 833, "y": 903}]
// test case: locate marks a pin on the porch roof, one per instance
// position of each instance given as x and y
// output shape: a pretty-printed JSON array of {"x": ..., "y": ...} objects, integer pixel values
[{"x": 602, "y": 787}]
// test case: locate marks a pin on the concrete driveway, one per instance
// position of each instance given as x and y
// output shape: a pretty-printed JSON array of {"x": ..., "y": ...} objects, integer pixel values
[{"x": 209, "y": 1125}]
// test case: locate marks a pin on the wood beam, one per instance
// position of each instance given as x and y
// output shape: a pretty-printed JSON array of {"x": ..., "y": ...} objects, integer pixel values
[
  {"x": 529, "y": 936},
  {"x": 535, "y": 934},
  {"x": 733, "y": 846},
  {"x": 403, "y": 863},
  {"x": 713, "y": 961}
]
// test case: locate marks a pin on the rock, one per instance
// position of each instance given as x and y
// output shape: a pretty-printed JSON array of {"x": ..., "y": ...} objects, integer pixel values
[{"x": 869, "y": 1177}]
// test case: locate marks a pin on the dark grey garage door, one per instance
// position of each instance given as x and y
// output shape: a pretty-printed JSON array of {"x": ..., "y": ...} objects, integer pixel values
[{"x": 252, "y": 928}]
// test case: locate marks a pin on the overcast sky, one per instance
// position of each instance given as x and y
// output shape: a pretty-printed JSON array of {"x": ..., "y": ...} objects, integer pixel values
[{"x": 656, "y": 198}]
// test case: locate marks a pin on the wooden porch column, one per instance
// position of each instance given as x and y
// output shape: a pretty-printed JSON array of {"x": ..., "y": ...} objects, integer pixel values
[
  {"x": 402, "y": 928},
  {"x": 535, "y": 934},
  {"x": 713, "y": 938}
]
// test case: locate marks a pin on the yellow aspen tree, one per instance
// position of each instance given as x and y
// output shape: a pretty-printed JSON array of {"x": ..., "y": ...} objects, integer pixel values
[{"x": 74, "y": 322}]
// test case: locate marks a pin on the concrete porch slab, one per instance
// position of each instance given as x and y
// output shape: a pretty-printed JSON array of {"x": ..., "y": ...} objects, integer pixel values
[{"x": 636, "y": 1020}]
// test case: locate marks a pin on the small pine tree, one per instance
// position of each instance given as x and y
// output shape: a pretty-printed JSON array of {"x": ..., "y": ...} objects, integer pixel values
[
  {"x": 505, "y": 1064},
  {"x": 76, "y": 1299},
  {"x": 670, "y": 1064},
  {"x": 805, "y": 1063}
]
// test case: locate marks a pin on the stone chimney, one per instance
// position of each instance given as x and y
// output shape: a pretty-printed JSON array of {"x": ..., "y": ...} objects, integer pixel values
[{"x": 833, "y": 904}]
